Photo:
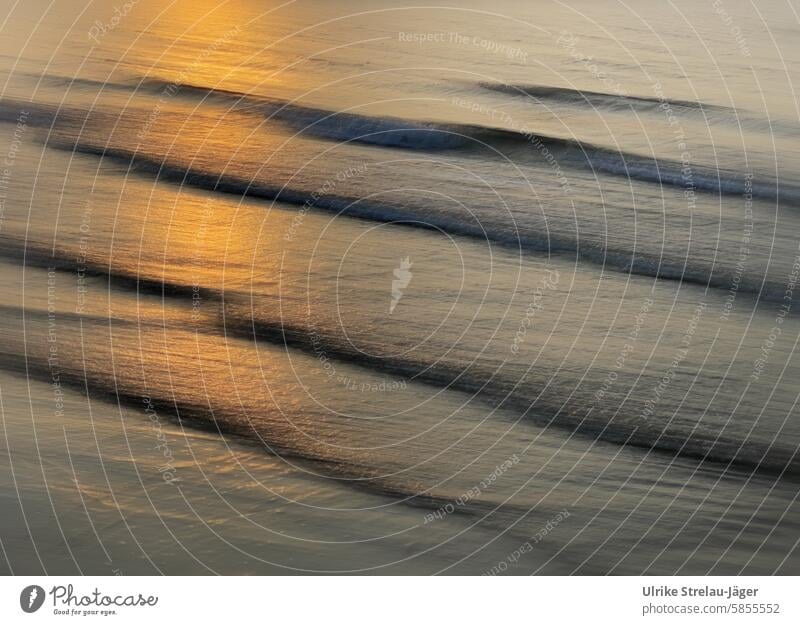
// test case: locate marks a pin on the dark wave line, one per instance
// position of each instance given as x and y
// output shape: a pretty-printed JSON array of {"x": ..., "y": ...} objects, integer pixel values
[
  {"x": 430, "y": 136},
  {"x": 477, "y": 379},
  {"x": 490, "y": 385},
  {"x": 214, "y": 419},
  {"x": 466, "y": 138},
  {"x": 617, "y": 260},
  {"x": 35, "y": 254},
  {"x": 408, "y": 216},
  {"x": 624, "y": 103},
  {"x": 583, "y": 96}
]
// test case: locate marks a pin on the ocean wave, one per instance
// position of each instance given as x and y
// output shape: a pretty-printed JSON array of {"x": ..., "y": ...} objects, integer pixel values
[
  {"x": 497, "y": 385},
  {"x": 492, "y": 384},
  {"x": 662, "y": 265},
  {"x": 601, "y": 99},
  {"x": 322, "y": 123},
  {"x": 83, "y": 367},
  {"x": 36, "y": 254},
  {"x": 86, "y": 374},
  {"x": 639, "y": 263},
  {"x": 487, "y": 141},
  {"x": 624, "y": 103}
]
